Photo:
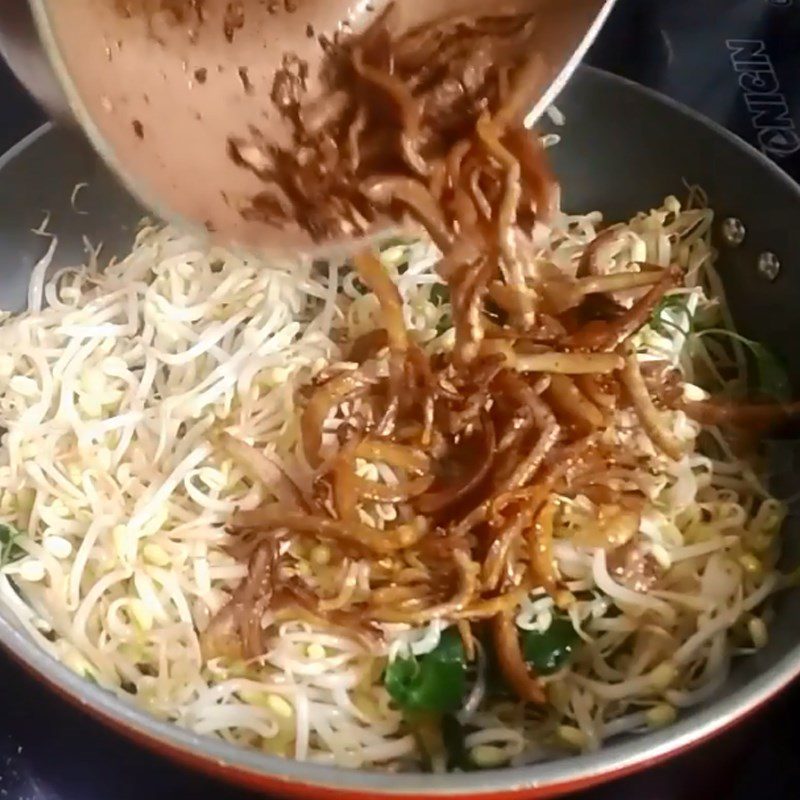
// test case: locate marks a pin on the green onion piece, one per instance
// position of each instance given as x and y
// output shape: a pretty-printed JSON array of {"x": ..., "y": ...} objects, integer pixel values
[
  {"x": 550, "y": 650},
  {"x": 433, "y": 682},
  {"x": 10, "y": 551},
  {"x": 772, "y": 378}
]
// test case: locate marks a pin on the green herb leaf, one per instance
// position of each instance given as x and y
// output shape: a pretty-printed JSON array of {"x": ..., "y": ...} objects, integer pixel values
[
  {"x": 550, "y": 650},
  {"x": 772, "y": 377},
  {"x": 10, "y": 551},
  {"x": 434, "y": 682}
]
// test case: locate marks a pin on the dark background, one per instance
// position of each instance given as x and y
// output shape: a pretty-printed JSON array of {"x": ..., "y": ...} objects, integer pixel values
[{"x": 685, "y": 48}]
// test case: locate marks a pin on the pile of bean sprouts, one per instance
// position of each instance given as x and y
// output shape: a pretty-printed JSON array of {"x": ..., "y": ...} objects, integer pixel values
[{"x": 122, "y": 388}]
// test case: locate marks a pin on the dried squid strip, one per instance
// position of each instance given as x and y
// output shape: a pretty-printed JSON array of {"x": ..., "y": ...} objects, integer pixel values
[
  {"x": 409, "y": 108},
  {"x": 512, "y": 663},
  {"x": 572, "y": 460},
  {"x": 536, "y": 175},
  {"x": 540, "y": 547},
  {"x": 607, "y": 336},
  {"x": 325, "y": 399},
  {"x": 265, "y": 470},
  {"x": 236, "y": 630},
  {"x": 489, "y": 135},
  {"x": 568, "y": 399},
  {"x": 721, "y": 411},
  {"x": 394, "y": 454},
  {"x": 618, "y": 281},
  {"x": 345, "y": 490},
  {"x": 485, "y": 609},
  {"x": 468, "y": 572},
  {"x": 372, "y": 271},
  {"x": 592, "y": 386},
  {"x": 391, "y": 493},
  {"x": 268, "y": 522},
  {"x": 439, "y": 500},
  {"x": 589, "y": 263},
  {"x": 650, "y": 417},
  {"x": 414, "y": 195},
  {"x": 568, "y": 363}
]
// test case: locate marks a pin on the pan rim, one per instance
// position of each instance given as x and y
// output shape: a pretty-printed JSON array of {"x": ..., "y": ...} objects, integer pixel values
[{"x": 565, "y": 774}]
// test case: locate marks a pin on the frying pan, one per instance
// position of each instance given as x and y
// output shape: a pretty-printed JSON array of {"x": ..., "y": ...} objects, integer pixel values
[{"x": 623, "y": 149}]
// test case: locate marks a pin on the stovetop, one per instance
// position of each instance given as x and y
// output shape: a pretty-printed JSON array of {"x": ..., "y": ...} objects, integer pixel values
[{"x": 737, "y": 61}]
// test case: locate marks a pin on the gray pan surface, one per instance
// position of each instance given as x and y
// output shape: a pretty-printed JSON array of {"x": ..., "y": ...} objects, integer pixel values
[{"x": 623, "y": 149}]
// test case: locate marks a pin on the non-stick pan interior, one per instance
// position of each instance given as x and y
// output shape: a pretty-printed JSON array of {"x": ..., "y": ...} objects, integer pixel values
[{"x": 622, "y": 150}]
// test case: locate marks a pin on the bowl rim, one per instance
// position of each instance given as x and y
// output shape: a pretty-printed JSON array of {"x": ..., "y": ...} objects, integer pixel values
[{"x": 553, "y": 777}]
